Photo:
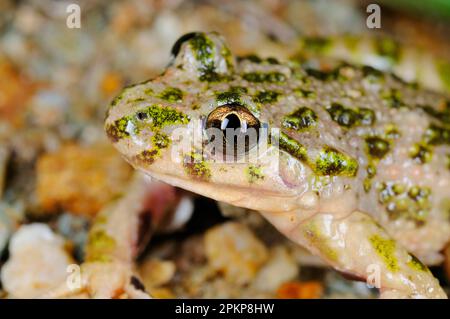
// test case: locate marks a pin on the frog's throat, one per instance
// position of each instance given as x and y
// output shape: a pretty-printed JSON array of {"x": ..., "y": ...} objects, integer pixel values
[{"x": 237, "y": 196}]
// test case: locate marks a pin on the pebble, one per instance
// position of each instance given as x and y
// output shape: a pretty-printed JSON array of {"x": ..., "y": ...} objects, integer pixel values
[{"x": 38, "y": 262}]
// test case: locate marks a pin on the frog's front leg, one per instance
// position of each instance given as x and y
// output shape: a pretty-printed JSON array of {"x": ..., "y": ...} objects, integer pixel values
[
  {"x": 359, "y": 246},
  {"x": 114, "y": 241}
]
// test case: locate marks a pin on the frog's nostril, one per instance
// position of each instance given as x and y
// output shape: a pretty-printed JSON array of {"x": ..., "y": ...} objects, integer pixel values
[{"x": 141, "y": 116}]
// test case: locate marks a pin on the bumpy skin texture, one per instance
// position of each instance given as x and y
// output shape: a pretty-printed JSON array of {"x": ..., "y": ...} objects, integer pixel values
[{"x": 361, "y": 169}]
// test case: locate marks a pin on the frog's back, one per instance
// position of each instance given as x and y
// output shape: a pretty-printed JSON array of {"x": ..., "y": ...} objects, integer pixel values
[{"x": 400, "y": 135}]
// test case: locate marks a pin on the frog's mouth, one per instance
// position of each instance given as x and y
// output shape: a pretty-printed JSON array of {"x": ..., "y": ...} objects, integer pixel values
[{"x": 256, "y": 199}]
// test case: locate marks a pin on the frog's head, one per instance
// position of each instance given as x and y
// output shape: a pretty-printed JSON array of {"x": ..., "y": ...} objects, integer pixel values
[{"x": 166, "y": 127}]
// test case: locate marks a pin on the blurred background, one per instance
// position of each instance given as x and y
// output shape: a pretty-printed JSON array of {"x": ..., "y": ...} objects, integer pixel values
[{"x": 57, "y": 168}]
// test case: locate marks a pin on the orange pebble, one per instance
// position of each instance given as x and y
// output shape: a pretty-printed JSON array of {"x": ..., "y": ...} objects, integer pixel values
[
  {"x": 111, "y": 83},
  {"x": 80, "y": 179},
  {"x": 300, "y": 290},
  {"x": 15, "y": 91}
]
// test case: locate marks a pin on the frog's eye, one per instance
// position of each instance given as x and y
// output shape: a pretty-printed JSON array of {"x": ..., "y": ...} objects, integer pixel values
[
  {"x": 238, "y": 127},
  {"x": 177, "y": 46}
]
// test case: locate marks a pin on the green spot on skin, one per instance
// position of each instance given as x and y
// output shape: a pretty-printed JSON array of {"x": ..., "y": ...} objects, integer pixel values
[
  {"x": 272, "y": 60},
  {"x": 213, "y": 77},
  {"x": 304, "y": 93},
  {"x": 254, "y": 173},
  {"x": 297, "y": 72},
  {"x": 252, "y": 58},
  {"x": 160, "y": 116},
  {"x": 351, "y": 42},
  {"x": 319, "y": 241},
  {"x": 401, "y": 202},
  {"x": 341, "y": 73},
  {"x": 388, "y": 48},
  {"x": 301, "y": 119},
  {"x": 155, "y": 117},
  {"x": 366, "y": 116},
  {"x": 348, "y": 117},
  {"x": 148, "y": 156},
  {"x": 334, "y": 163},
  {"x": 232, "y": 96},
  {"x": 421, "y": 153},
  {"x": 266, "y": 97},
  {"x": 136, "y": 100},
  {"x": 259, "y": 77},
  {"x": 419, "y": 194},
  {"x": 436, "y": 135},
  {"x": 160, "y": 140},
  {"x": 367, "y": 184},
  {"x": 377, "y": 147},
  {"x": 323, "y": 75},
  {"x": 442, "y": 116},
  {"x": 116, "y": 100},
  {"x": 391, "y": 132},
  {"x": 100, "y": 246},
  {"x": 226, "y": 54},
  {"x": 371, "y": 172},
  {"x": 258, "y": 60},
  {"x": 196, "y": 167},
  {"x": 229, "y": 97},
  {"x": 416, "y": 264},
  {"x": 173, "y": 95},
  {"x": 317, "y": 44},
  {"x": 118, "y": 129},
  {"x": 204, "y": 51},
  {"x": 292, "y": 147},
  {"x": 385, "y": 248},
  {"x": 239, "y": 89},
  {"x": 393, "y": 98}
]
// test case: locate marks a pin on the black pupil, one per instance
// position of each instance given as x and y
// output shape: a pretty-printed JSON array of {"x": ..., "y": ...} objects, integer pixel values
[{"x": 233, "y": 121}]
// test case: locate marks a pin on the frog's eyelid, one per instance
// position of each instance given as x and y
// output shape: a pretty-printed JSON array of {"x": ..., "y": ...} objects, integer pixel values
[{"x": 177, "y": 46}]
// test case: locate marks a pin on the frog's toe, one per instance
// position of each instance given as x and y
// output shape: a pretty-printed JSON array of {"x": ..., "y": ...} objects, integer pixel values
[{"x": 99, "y": 280}]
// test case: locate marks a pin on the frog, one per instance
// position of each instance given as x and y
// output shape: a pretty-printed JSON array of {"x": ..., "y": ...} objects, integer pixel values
[{"x": 350, "y": 162}]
